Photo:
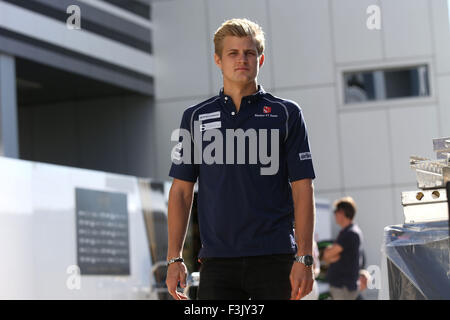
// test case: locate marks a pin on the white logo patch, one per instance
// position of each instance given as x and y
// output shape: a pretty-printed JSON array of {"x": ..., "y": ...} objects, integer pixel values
[
  {"x": 305, "y": 156},
  {"x": 210, "y": 125},
  {"x": 207, "y": 116},
  {"x": 176, "y": 152}
]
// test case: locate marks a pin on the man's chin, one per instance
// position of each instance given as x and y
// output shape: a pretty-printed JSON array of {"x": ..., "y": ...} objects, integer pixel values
[{"x": 243, "y": 80}]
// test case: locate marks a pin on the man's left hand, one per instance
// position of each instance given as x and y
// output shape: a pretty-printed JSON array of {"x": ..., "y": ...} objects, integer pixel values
[{"x": 302, "y": 280}]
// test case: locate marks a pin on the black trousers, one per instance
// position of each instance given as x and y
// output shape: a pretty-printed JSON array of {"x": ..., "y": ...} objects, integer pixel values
[{"x": 243, "y": 278}]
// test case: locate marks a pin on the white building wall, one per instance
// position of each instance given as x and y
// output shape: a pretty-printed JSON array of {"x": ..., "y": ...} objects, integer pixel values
[
  {"x": 352, "y": 41},
  {"x": 441, "y": 44},
  {"x": 301, "y": 43},
  {"x": 361, "y": 151},
  {"x": 406, "y": 28},
  {"x": 180, "y": 42}
]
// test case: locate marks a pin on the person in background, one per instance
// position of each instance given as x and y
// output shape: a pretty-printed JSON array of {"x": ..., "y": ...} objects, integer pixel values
[
  {"x": 364, "y": 279},
  {"x": 345, "y": 255}
]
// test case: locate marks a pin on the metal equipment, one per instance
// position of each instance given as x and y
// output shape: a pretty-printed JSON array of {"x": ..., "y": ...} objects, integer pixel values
[
  {"x": 417, "y": 252},
  {"x": 429, "y": 203}
]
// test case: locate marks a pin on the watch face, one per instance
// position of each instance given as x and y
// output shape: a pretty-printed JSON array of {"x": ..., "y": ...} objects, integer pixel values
[{"x": 309, "y": 260}]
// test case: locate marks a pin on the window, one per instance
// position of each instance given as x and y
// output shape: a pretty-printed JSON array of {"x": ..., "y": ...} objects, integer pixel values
[{"x": 385, "y": 84}]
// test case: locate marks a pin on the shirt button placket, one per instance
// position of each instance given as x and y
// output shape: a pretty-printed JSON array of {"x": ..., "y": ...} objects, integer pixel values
[{"x": 232, "y": 112}]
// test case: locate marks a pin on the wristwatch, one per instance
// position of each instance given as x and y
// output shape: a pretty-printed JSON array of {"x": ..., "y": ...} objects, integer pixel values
[
  {"x": 307, "y": 260},
  {"x": 178, "y": 259}
]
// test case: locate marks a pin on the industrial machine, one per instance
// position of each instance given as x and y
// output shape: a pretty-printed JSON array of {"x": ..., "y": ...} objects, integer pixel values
[{"x": 416, "y": 254}]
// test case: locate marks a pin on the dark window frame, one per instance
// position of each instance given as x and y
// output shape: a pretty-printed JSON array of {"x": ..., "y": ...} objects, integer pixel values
[{"x": 370, "y": 85}]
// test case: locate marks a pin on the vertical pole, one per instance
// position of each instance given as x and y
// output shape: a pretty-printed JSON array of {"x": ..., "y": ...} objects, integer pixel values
[{"x": 9, "y": 138}]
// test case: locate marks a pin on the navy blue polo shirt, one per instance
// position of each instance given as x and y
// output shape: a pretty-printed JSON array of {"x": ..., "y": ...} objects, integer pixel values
[
  {"x": 242, "y": 210},
  {"x": 345, "y": 271}
]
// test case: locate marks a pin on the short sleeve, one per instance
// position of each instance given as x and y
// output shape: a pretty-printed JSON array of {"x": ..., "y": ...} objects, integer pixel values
[
  {"x": 349, "y": 241},
  {"x": 182, "y": 155},
  {"x": 299, "y": 158}
]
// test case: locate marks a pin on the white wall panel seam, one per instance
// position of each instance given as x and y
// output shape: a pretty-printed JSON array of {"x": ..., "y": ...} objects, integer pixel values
[
  {"x": 208, "y": 53},
  {"x": 435, "y": 86},
  {"x": 383, "y": 38},
  {"x": 336, "y": 96},
  {"x": 384, "y": 105},
  {"x": 269, "y": 38},
  {"x": 391, "y": 157},
  {"x": 307, "y": 86}
]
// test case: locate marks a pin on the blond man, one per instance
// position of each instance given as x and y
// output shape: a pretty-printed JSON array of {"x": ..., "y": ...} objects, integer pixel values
[{"x": 249, "y": 194}]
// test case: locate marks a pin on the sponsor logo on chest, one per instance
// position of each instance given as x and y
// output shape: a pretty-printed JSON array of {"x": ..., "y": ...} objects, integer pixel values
[{"x": 266, "y": 113}]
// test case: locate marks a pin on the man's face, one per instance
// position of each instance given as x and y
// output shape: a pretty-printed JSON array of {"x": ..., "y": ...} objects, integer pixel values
[
  {"x": 239, "y": 62},
  {"x": 339, "y": 216}
]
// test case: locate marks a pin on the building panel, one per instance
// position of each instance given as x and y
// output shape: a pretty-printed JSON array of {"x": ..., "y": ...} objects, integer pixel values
[{"x": 301, "y": 43}]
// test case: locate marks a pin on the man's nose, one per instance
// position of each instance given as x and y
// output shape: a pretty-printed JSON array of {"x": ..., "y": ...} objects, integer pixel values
[{"x": 242, "y": 57}]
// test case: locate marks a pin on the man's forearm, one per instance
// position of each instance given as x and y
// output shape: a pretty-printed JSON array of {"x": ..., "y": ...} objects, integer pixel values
[
  {"x": 330, "y": 257},
  {"x": 178, "y": 217},
  {"x": 303, "y": 194}
]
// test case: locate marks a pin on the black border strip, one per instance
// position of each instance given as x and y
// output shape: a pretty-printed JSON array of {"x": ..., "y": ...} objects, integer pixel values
[
  {"x": 75, "y": 55},
  {"x": 86, "y": 24}
]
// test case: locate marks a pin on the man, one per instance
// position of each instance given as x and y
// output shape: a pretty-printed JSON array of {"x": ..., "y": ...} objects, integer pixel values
[
  {"x": 246, "y": 210},
  {"x": 345, "y": 255}
]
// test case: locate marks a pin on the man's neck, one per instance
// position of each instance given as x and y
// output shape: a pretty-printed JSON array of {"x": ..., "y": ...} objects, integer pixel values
[
  {"x": 236, "y": 92},
  {"x": 346, "y": 224}
]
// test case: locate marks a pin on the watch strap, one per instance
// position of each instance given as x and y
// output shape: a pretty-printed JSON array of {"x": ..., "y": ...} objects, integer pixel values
[
  {"x": 177, "y": 259},
  {"x": 302, "y": 259}
]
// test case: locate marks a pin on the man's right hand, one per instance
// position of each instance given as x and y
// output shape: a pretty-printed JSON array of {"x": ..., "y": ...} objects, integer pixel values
[
  {"x": 179, "y": 207},
  {"x": 176, "y": 272}
]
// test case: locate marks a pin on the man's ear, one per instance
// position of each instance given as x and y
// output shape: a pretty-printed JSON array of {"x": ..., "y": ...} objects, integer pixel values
[
  {"x": 218, "y": 61},
  {"x": 261, "y": 60}
]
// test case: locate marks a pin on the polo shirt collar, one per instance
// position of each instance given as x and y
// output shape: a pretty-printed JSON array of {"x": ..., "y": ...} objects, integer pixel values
[
  {"x": 349, "y": 226},
  {"x": 253, "y": 97}
]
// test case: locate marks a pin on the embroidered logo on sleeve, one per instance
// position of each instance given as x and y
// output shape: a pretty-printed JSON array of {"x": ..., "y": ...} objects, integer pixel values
[
  {"x": 305, "y": 156},
  {"x": 176, "y": 152}
]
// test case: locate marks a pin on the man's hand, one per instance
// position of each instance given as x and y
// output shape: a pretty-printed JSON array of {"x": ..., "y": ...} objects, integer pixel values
[
  {"x": 302, "y": 280},
  {"x": 176, "y": 272},
  {"x": 302, "y": 276},
  {"x": 332, "y": 253},
  {"x": 180, "y": 202},
  {"x": 333, "y": 259}
]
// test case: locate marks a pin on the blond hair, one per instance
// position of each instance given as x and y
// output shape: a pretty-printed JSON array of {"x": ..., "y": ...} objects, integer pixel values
[{"x": 239, "y": 28}]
